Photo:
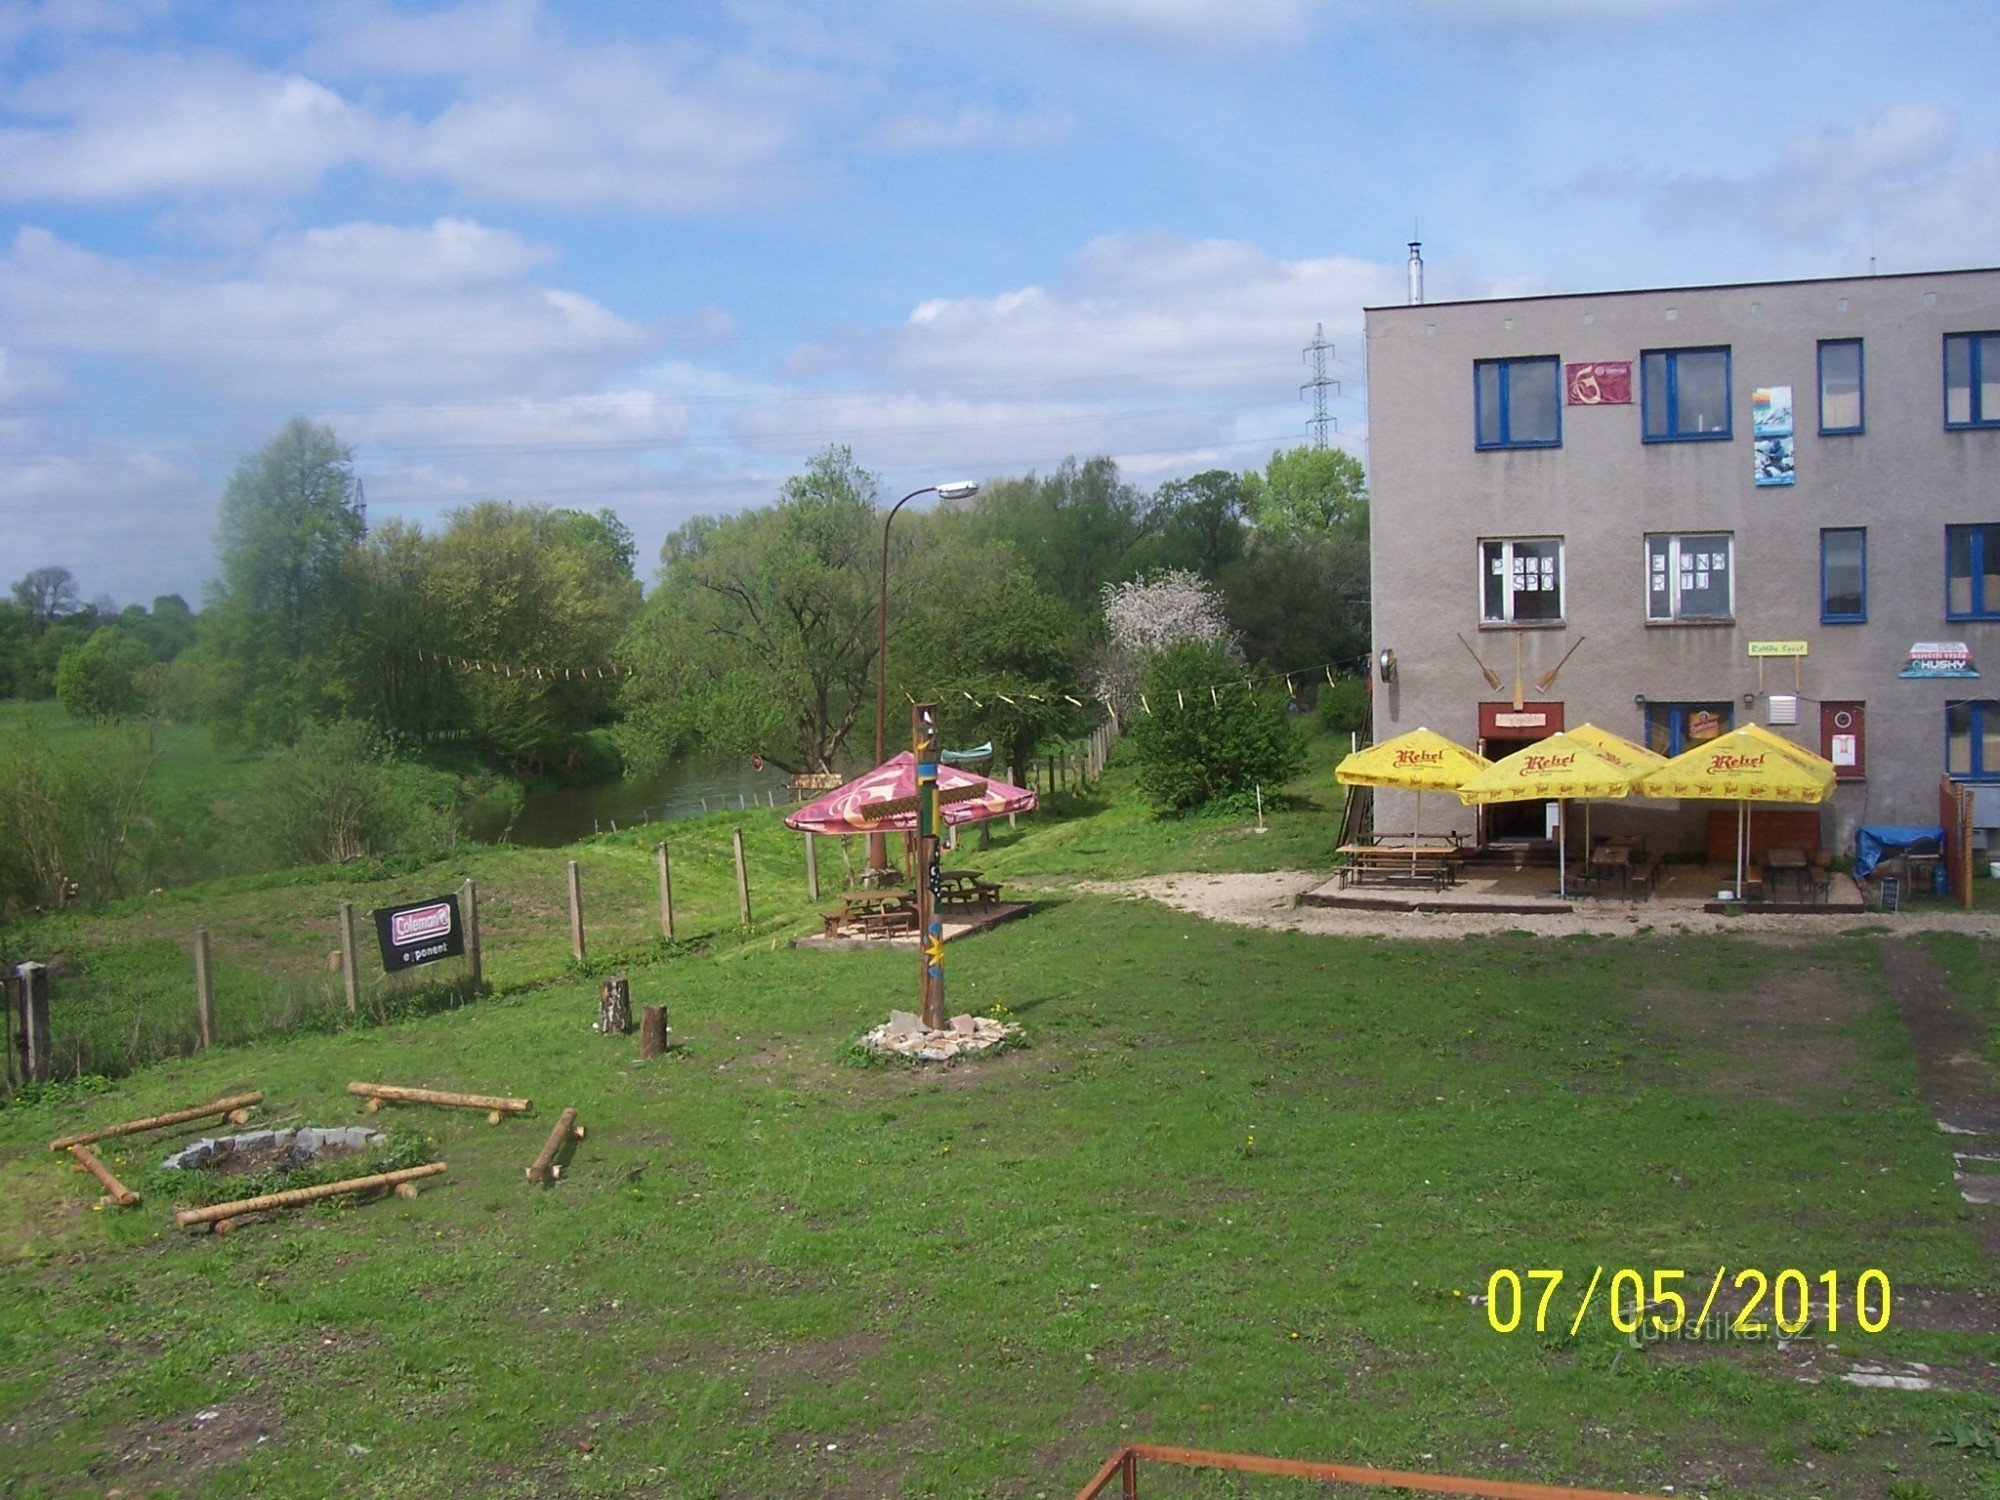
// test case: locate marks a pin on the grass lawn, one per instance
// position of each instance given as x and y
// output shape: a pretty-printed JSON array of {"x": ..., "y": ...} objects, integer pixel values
[{"x": 1237, "y": 1192}]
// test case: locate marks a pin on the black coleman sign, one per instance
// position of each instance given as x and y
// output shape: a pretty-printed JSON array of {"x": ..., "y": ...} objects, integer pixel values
[{"x": 419, "y": 934}]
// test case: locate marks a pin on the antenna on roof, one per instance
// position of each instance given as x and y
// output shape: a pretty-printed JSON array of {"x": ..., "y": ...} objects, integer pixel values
[{"x": 1416, "y": 272}]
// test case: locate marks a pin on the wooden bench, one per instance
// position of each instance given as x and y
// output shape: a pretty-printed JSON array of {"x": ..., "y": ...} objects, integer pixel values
[
  {"x": 873, "y": 914},
  {"x": 1434, "y": 866},
  {"x": 965, "y": 888}
]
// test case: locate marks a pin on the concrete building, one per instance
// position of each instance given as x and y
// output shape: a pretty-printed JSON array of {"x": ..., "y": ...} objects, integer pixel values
[{"x": 1668, "y": 494}]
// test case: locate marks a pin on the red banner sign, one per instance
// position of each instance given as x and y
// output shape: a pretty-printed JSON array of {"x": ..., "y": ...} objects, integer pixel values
[{"x": 1599, "y": 383}]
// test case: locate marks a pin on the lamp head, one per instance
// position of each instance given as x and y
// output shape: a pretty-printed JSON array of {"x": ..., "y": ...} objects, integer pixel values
[{"x": 958, "y": 489}]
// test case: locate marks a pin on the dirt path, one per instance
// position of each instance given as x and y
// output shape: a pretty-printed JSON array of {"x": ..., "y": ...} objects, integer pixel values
[{"x": 1267, "y": 901}]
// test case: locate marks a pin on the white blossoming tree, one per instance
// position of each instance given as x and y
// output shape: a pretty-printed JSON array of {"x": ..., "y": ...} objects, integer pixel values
[{"x": 1145, "y": 616}]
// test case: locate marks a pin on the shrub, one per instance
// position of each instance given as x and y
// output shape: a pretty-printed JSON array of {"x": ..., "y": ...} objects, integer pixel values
[
  {"x": 1342, "y": 707},
  {"x": 103, "y": 678},
  {"x": 1196, "y": 746},
  {"x": 337, "y": 795}
]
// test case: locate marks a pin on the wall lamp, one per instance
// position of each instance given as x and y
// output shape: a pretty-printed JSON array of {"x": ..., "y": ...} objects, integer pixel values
[{"x": 1638, "y": 700}]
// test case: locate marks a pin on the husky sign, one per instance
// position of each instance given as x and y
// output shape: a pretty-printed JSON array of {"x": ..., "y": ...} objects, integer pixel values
[{"x": 421, "y": 933}]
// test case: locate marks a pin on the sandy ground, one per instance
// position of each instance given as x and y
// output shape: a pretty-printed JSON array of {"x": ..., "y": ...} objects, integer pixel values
[{"x": 1267, "y": 901}]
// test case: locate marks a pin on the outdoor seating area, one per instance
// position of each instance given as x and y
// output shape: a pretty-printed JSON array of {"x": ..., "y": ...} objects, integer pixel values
[
  {"x": 893, "y": 913},
  {"x": 1431, "y": 866}
]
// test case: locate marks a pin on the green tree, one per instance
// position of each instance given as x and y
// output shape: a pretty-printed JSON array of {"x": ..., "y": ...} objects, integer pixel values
[
  {"x": 761, "y": 637},
  {"x": 104, "y": 677},
  {"x": 337, "y": 794},
  {"x": 1197, "y": 523},
  {"x": 1197, "y": 746},
  {"x": 47, "y": 594},
  {"x": 1308, "y": 491},
  {"x": 998, "y": 654},
  {"x": 408, "y": 695},
  {"x": 290, "y": 522},
  {"x": 515, "y": 586},
  {"x": 1076, "y": 529}
]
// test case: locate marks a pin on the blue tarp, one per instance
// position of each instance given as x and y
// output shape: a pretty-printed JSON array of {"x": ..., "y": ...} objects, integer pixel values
[{"x": 1873, "y": 842}]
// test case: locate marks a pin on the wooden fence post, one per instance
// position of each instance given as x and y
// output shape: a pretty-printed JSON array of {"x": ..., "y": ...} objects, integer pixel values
[
  {"x": 576, "y": 949},
  {"x": 204, "y": 991},
  {"x": 475, "y": 961},
  {"x": 32, "y": 992},
  {"x": 350, "y": 965},
  {"x": 742, "y": 877},
  {"x": 666, "y": 893},
  {"x": 812, "y": 870}
]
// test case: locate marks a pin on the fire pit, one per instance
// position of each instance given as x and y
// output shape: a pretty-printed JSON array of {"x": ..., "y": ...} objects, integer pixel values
[
  {"x": 905, "y": 1035},
  {"x": 271, "y": 1150}
]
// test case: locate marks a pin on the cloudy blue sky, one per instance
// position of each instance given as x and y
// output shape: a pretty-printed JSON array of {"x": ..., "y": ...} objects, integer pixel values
[{"x": 652, "y": 255}]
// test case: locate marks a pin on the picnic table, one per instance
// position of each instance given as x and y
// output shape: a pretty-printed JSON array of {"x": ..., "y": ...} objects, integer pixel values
[
  {"x": 873, "y": 913},
  {"x": 965, "y": 888},
  {"x": 1434, "y": 865},
  {"x": 1787, "y": 864},
  {"x": 1609, "y": 858}
]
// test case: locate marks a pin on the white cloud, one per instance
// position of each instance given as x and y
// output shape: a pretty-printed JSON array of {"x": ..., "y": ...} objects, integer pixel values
[
  {"x": 410, "y": 311},
  {"x": 1147, "y": 312},
  {"x": 124, "y": 125},
  {"x": 974, "y": 125},
  {"x": 1900, "y": 180},
  {"x": 1176, "y": 25}
]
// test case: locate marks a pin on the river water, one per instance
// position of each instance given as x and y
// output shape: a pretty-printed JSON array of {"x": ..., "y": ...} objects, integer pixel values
[{"x": 564, "y": 814}]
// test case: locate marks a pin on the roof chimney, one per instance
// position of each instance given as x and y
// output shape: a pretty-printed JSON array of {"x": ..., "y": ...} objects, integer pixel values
[{"x": 1416, "y": 272}]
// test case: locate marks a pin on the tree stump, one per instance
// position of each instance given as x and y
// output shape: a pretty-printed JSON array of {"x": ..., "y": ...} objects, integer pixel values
[
  {"x": 614, "y": 1006},
  {"x": 652, "y": 1031}
]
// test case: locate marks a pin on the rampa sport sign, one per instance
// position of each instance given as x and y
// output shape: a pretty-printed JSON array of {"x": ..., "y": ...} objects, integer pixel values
[{"x": 421, "y": 933}]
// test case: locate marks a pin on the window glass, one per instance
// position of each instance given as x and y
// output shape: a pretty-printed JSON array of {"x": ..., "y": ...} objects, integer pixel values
[
  {"x": 1531, "y": 401},
  {"x": 1843, "y": 562},
  {"x": 1521, "y": 580},
  {"x": 1486, "y": 387},
  {"x": 1689, "y": 577},
  {"x": 1702, "y": 392},
  {"x": 1958, "y": 380},
  {"x": 1840, "y": 385},
  {"x": 1674, "y": 727},
  {"x": 1958, "y": 739},
  {"x": 1972, "y": 571},
  {"x": 1653, "y": 380}
]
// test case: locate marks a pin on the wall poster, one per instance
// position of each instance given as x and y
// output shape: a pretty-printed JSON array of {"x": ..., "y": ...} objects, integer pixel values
[{"x": 1771, "y": 434}]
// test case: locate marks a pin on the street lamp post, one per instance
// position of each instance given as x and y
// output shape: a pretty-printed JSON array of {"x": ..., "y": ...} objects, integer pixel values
[{"x": 962, "y": 489}]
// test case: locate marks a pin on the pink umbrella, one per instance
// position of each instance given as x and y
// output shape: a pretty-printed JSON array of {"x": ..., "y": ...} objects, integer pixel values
[{"x": 885, "y": 800}]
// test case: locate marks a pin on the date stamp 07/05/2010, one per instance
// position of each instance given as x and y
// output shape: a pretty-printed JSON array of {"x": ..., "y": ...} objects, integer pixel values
[{"x": 1669, "y": 1304}]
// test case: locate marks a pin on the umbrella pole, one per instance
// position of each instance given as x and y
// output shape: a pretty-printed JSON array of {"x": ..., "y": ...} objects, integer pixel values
[
  {"x": 1416, "y": 830},
  {"x": 1562, "y": 849},
  {"x": 1742, "y": 849}
]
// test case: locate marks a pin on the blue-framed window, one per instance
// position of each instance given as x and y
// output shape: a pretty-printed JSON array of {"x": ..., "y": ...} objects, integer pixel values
[
  {"x": 1972, "y": 380},
  {"x": 1674, "y": 727},
  {"x": 1517, "y": 403},
  {"x": 1684, "y": 395},
  {"x": 1840, "y": 409},
  {"x": 1972, "y": 740},
  {"x": 1972, "y": 572},
  {"x": 1843, "y": 575}
]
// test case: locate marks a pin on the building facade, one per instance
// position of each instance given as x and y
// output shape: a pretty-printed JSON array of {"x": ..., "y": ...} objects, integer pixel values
[{"x": 1673, "y": 512}]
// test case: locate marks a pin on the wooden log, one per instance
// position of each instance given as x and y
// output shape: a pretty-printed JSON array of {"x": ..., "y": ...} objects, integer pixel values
[
  {"x": 614, "y": 1005},
  {"x": 160, "y": 1122},
  {"x": 123, "y": 1196},
  {"x": 545, "y": 1167},
  {"x": 218, "y": 1214},
  {"x": 652, "y": 1032},
  {"x": 393, "y": 1093}
]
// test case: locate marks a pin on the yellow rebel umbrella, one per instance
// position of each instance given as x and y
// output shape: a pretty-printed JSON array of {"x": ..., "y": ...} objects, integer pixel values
[
  {"x": 1559, "y": 769},
  {"x": 1617, "y": 747},
  {"x": 1746, "y": 765},
  {"x": 1419, "y": 760}
]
